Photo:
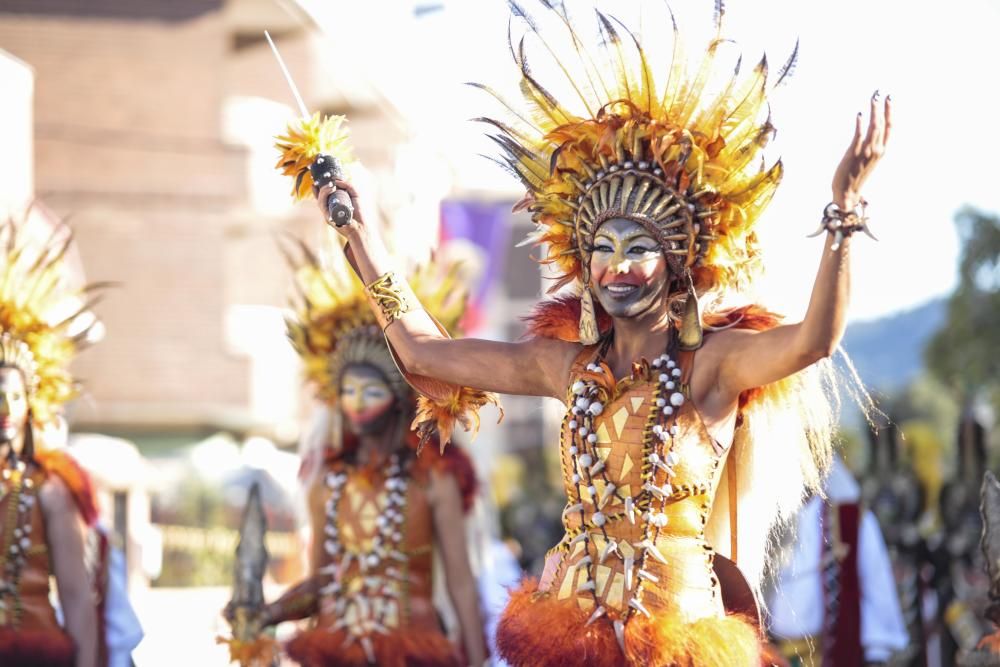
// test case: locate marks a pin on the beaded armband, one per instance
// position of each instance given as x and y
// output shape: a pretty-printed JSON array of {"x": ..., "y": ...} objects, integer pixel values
[{"x": 392, "y": 298}]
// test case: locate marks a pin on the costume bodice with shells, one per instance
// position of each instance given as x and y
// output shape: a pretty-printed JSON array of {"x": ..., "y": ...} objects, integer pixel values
[
  {"x": 635, "y": 529},
  {"x": 375, "y": 570},
  {"x": 29, "y": 630},
  {"x": 632, "y": 580},
  {"x": 392, "y": 580}
]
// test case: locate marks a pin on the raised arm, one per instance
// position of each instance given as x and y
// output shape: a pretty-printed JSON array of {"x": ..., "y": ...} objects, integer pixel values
[
  {"x": 65, "y": 531},
  {"x": 747, "y": 359},
  {"x": 536, "y": 367},
  {"x": 449, "y": 530}
]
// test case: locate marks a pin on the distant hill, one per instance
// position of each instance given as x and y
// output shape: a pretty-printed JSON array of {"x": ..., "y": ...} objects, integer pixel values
[{"x": 888, "y": 352}]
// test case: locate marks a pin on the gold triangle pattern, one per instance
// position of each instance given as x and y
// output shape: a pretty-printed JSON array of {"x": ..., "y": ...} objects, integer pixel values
[{"x": 618, "y": 421}]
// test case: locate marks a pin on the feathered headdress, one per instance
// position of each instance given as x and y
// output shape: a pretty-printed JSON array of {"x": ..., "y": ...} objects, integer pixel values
[
  {"x": 44, "y": 321},
  {"x": 657, "y": 144},
  {"x": 334, "y": 326},
  {"x": 303, "y": 141}
]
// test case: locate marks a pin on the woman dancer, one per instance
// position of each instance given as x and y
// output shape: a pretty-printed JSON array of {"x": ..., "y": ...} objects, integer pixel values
[
  {"x": 378, "y": 508},
  {"x": 682, "y": 426}
]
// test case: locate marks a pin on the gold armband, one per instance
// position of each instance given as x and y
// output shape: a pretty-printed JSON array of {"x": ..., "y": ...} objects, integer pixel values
[{"x": 392, "y": 298}]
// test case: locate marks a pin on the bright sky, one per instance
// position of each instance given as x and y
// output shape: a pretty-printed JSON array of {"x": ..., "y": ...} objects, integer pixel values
[{"x": 938, "y": 61}]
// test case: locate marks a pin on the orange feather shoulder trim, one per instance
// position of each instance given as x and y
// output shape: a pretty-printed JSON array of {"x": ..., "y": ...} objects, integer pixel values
[
  {"x": 62, "y": 465},
  {"x": 453, "y": 461}
]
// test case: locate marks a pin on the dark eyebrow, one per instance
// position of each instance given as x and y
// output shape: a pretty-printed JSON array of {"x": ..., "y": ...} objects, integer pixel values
[
  {"x": 640, "y": 235},
  {"x": 634, "y": 235}
]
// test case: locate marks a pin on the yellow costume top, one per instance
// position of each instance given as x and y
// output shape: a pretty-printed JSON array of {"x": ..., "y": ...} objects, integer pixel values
[
  {"x": 375, "y": 568},
  {"x": 633, "y": 573}
]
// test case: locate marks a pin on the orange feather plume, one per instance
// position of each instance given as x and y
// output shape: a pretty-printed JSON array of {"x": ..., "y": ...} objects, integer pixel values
[{"x": 303, "y": 141}]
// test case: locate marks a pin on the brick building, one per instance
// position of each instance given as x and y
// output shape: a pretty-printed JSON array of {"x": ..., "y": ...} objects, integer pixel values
[
  {"x": 152, "y": 125},
  {"x": 152, "y": 134}
]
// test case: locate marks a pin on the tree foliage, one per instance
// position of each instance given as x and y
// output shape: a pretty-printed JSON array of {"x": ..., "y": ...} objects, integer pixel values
[{"x": 963, "y": 354}]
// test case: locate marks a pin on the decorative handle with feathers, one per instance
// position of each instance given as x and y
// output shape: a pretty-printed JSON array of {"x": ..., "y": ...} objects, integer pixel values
[
  {"x": 315, "y": 152},
  {"x": 325, "y": 170}
]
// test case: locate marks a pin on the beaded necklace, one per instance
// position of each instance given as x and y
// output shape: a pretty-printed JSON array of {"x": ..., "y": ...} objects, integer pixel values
[
  {"x": 16, "y": 538},
  {"x": 657, "y": 472},
  {"x": 370, "y": 603}
]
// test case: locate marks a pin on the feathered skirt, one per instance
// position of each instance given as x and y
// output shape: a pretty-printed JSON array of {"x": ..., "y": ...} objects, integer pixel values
[
  {"x": 36, "y": 648},
  {"x": 320, "y": 647},
  {"x": 539, "y": 630}
]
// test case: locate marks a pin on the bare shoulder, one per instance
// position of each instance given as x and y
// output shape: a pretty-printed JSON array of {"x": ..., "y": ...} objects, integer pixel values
[
  {"x": 555, "y": 359},
  {"x": 719, "y": 344},
  {"x": 719, "y": 347},
  {"x": 551, "y": 348},
  {"x": 55, "y": 497},
  {"x": 442, "y": 488}
]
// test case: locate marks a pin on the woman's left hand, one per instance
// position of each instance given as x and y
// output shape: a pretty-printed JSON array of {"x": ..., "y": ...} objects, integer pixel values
[{"x": 862, "y": 155}]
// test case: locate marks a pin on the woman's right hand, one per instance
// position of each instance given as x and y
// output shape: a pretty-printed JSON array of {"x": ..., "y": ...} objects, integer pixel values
[{"x": 357, "y": 224}]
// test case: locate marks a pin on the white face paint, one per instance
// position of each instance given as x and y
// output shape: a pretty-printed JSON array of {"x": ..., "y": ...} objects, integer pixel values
[
  {"x": 13, "y": 404},
  {"x": 628, "y": 271},
  {"x": 366, "y": 399}
]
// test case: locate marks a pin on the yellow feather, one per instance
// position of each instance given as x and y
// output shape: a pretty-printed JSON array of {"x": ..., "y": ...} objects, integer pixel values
[
  {"x": 704, "y": 140},
  {"x": 38, "y": 310},
  {"x": 303, "y": 141}
]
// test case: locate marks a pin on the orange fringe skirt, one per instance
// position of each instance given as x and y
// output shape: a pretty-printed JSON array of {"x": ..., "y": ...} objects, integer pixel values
[
  {"x": 537, "y": 630},
  {"x": 319, "y": 647},
  {"x": 36, "y": 648}
]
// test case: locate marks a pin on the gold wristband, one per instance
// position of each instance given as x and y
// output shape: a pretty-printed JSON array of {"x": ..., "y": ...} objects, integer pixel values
[{"x": 392, "y": 298}]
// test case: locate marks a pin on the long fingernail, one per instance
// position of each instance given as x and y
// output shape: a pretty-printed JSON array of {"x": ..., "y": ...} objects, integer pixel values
[
  {"x": 888, "y": 98},
  {"x": 875, "y": 96}
]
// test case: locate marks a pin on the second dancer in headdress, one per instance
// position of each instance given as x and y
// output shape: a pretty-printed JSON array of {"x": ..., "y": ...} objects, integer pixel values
[{"x": 378, "y": 508}]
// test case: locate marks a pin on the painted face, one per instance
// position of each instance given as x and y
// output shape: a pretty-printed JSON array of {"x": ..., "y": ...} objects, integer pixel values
[
  {"x": 366, "y": 400},
  {"x": 13, "y": 404},
  {"x": 628, "y": 271}
]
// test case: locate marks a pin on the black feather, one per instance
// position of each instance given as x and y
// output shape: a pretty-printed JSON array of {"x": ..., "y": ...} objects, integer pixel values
[
  {"x": 499, "y": 98},
  {"x": 613, "y": 38},
  {"x": 642, "y": 62},
  {"x": 720, "y": 11},
  {"x": 788, "y": 68},
  {"x": 510, "y": 169},
  {"x": 503, "y": 127},
  {"x": 554, "y": 160}
]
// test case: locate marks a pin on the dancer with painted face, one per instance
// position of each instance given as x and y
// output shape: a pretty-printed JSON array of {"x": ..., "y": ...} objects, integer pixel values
[
  {"x": 46, "y": 501},
  {"x": 379, "y": 509},
  {"x": 689, "y": 431}
]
